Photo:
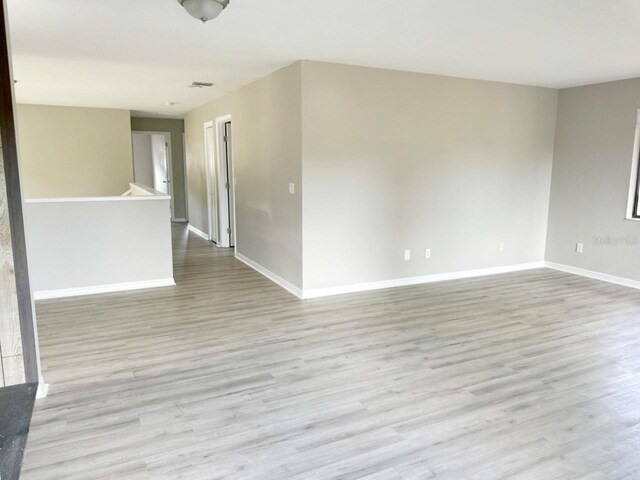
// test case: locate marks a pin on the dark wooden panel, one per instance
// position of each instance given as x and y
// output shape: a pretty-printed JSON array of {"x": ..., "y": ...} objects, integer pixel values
[
  {"x": 16, "y": 405},
  {"x": 14, "y": 197}
]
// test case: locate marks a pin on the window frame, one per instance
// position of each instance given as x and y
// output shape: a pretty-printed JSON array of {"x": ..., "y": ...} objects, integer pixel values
[
  {"x": 633, "y": 203},
  {"x": 635, "y": 213}
]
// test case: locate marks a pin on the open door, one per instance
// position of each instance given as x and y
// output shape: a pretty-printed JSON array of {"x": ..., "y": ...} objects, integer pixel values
[
  {"x": 152, "y": 161},
  {"x": 160, "y": 162},
  {"x": 212, "y": 191},
  {"x": 227, "y": 162},
  {"x": 220, "y": 181}
]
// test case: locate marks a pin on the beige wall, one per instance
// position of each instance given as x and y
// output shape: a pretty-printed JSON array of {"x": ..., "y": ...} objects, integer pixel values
[
  {"x": 267, "y": 157},
  {"x": 176, "y": 128},
  {"x": 395, "y": 161},
  {"x": 591, "y": 173},
  {"x": 74, "y": 152}
]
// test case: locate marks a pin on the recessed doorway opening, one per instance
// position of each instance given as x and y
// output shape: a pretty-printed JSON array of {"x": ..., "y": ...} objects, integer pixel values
[
  {"x": 220, "y": 182},
  {"x": 152, "y": 161}
]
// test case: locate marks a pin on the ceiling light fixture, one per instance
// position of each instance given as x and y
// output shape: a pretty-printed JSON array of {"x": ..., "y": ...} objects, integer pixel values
[{"x": 204, "y": 10}]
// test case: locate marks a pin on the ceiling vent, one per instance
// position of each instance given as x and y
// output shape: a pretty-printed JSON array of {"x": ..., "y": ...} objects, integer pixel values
[{"x": 201, "y": 85}]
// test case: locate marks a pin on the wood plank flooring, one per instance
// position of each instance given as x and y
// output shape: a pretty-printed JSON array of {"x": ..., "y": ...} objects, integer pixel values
[{"x": 530, "y": 375}]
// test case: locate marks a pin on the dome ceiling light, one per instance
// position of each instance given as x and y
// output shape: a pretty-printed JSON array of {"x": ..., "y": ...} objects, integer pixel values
[{"x": 204, "y": 10}]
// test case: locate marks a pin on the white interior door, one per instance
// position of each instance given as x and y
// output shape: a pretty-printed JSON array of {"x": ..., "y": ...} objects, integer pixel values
[
  {"x": 224, "y": 181},
  {"x": 142, "y": 158},
  {"x": 230, "y": 184},
  {"x": 210, "y": 149},
  {"x": 152, "y": 161},
  {"x": 160, "y": 156}
]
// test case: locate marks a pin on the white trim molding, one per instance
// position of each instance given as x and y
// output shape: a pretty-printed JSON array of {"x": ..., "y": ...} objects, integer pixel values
[
  {"x": 221, "y": 176},
  {"x": 270, "y": 275},
  {"x": 437, "y": 277},
  {"x": 605, "y": 277},
  {"x": 43, "y": 389},
  {"x": 93, "y": 290},
  {"x": 127, "y": 198},
  {"x": 179, "y": 220},
  {"x": 209, "y": 170},
  {"x": 198, "y": 232},
  {"x": 402, "y": 282}
]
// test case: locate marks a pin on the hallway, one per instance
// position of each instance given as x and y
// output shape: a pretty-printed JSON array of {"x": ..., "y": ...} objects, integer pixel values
[{"x": 227, "y": 375}]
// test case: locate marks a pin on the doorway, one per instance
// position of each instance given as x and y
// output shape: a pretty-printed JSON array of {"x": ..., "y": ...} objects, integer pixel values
[
  {"x": 152, "y": 161},
  {"x": 220, "y": 181},
  {"x": 212, "y": 191}
]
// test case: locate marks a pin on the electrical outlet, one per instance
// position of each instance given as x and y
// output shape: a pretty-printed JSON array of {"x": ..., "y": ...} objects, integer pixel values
[
  {"x": 292, "y": 188},
  {"x": 427, "y": 253},
  {"x": 579, "y": 247},
  {"x": 407, "y": 255},
  {"x": 501, "y": 246}
]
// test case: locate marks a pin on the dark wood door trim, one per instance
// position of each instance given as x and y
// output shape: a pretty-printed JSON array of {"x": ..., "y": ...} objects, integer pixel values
[{"x": 14, "y": 199}]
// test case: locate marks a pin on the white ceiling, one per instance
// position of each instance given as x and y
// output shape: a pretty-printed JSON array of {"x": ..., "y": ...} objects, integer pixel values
[{"x": 140, "y": 54}]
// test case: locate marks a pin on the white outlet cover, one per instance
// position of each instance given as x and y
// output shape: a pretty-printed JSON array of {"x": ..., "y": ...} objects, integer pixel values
[
  {"x": 579, "y": 247},
  {"x": 501, "y": 246},
  {"x": 407, "y": 255},
  {"x": 292, "y": 188},
  {"x": 427, "y": 253}
]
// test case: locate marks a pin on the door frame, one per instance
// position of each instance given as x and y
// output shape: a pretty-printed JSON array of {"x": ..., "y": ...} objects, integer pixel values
[
  {"x": 216, "y": 189},
  {"x": 169, "y": 164},
  {"x": 210, "y": 171},
  {"x": 186, "y": 177},
  {"x": 225, "y": 210}
]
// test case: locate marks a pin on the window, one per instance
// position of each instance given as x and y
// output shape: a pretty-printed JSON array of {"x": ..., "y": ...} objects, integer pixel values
[
  {"x": 635, "y": 213},
  {"x": 633, "y": 206}
]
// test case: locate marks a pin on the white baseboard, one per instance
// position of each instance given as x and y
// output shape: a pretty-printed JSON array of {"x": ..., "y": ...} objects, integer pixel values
[
  {"x": 93, "y": 290},
  {"x": 605, "y": 277},
  {"x": 270, "y": 275},
  {"x": 43, "y": 389},
  {"x": 179, "y": 220},
  {"x": 198, "y": 232},
  {"x": 402, "y": 282},
  {"x": 437, "y": 277}
]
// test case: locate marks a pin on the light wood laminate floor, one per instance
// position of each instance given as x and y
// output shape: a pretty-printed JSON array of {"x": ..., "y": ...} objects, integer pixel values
[{"x": 531, "y": 375}]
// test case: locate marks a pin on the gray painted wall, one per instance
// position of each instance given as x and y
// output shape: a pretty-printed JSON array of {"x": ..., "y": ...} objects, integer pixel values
[
  {"x": 195, "y": 162},
  {"x": 591, "y": 172},
  {"x": 267, "y": 156},
  {"x": 395, "y": 160},
  {"x": 94, "y": 243},
  {"x": 391, "y": 160},
  {"x": 176, "y": 128},
  {"x": 383, "y": 161}
]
